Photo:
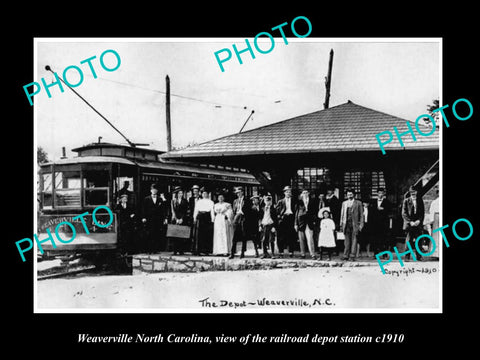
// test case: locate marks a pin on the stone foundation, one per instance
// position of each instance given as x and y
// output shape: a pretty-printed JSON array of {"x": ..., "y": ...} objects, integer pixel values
[{"x": 154, "y": 263}]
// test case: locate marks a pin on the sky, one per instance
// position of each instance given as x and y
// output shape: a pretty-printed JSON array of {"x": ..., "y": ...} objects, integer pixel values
[{"x": 398, "y": 78}]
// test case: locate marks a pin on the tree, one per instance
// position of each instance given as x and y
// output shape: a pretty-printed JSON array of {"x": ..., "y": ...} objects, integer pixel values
[
  {"x": 42, "y": 156},
  {"x": 435, "y": 106},
  {"x": 436, "y": 115}
]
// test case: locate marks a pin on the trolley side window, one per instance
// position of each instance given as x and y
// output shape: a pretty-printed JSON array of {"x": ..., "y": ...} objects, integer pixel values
[
  {"x": 67, "y": 189},
  {"x": 47, "y": 193},
  {"x": 95, "y": 187}
]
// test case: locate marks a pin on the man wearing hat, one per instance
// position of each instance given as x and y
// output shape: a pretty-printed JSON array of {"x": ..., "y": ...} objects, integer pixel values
[
  {"x": 126, "y": 218},
  {"x": 124, "y": 191},
  {"x": 333, "y": 203},
  {"x": 351, "y": 223},
  {"x": 413, "y": 213},
  {"x": 252, "y": 223},
  {"x": 192, "y": 201},
  {"x": 241, "y": 211},
  {"x": 268, "y": 223},
  {"x": 379, "y": 220},
  {"x": 179, "y": 209},
  {"x": 154, "y": 216},
  {"x": 305, "y": 219},
  {"x": 287, "y": 235}
]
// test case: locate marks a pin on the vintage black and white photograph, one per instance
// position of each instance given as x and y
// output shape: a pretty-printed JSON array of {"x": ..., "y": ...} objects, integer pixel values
[{"x": 207, "y": 175}]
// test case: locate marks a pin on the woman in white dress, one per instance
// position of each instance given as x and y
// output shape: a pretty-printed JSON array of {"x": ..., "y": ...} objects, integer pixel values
[
  {"x": 326, "y": 237},
  {"x": 222, "y": 227}
]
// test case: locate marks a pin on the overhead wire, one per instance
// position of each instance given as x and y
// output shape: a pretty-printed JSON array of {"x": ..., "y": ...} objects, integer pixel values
[{"x": 217, "y": 104}]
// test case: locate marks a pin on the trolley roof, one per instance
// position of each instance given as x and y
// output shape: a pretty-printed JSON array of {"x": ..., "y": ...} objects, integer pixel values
[{"x": 137, "y": 159}]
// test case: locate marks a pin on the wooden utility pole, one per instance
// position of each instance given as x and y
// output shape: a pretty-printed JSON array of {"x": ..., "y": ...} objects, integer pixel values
[
  {"x": 328, "y": 81},
  {"x": 167, "y": 108}
]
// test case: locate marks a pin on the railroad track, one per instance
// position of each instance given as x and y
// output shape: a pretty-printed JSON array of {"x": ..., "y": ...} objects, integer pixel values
[
  {"x": 56, "y": 273},
  {"x": 68, "y": 269}
]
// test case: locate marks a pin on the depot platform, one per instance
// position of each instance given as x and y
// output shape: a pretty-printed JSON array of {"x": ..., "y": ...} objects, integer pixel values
[{"x": 166, "y": 262}]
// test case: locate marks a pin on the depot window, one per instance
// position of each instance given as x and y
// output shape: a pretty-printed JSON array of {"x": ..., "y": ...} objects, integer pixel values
[
  {"x": 312, "y": 179},
  {"x": 365, "y": 183}
]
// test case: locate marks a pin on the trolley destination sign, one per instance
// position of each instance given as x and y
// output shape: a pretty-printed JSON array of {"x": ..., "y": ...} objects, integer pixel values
[
  {"x": 48, "y": 221},
  {"x": 66, "y": 231}
]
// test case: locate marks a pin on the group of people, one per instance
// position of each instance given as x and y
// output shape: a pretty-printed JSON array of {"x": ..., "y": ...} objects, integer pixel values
[{"x": 217, "y": 227}]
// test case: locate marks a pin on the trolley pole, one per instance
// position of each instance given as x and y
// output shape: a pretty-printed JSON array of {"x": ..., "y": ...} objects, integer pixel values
[{"x": 245, "y": 123}]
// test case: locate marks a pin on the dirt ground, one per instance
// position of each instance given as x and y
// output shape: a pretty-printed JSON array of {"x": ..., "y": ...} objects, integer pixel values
[{"x": 415, "y": 286}]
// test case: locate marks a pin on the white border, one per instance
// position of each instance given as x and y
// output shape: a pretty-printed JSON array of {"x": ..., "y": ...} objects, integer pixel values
[{"x": 275, "y": 310}]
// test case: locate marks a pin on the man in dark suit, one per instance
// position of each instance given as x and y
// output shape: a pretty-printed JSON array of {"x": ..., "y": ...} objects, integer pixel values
[
  {"x": 306, "y": 212},
  {"x": 191, "y": 208},
  {"x": 241, "y": 211},
  {"x": 287, "y": 235},
  {"x": 379, "y": 222},
  {"x": 333, "y": 203},
  {"x": 154, "y": 216},
  {"x": 413, "y": 213},
  {"x": 321, "y": 201},
  {"x": 252, "y": 222},
  {"x": 125, "y": 191},
  {"x": 125, "y": 218},
  {"x": 193, "y": 200},
  {"x": 179, "y": 210},
  {"x": 351, "y": 223},
  {"x": 268, "y": 224}
]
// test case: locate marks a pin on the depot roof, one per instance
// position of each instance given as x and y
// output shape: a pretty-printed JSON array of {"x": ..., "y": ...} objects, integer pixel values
[{"x": 346, "y": 127}]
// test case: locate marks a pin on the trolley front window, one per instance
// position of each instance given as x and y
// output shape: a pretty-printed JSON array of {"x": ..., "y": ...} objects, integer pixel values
[
  {"x": 67, "y": 189},
  {"x": 47, "y": 193}
]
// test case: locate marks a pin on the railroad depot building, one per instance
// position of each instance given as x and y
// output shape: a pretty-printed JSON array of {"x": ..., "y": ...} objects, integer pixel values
[{"x": 331, "y": 147}]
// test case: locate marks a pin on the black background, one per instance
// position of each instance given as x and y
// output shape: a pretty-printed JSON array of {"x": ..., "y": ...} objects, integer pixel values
[{"x": 425, "y": 334}]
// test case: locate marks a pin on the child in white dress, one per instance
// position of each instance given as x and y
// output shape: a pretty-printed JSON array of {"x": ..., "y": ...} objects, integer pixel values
[{"x": 326, "y": 237}]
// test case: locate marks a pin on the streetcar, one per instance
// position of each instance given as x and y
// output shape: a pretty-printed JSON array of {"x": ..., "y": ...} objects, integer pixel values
[{"x": 69, "y": 187}]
